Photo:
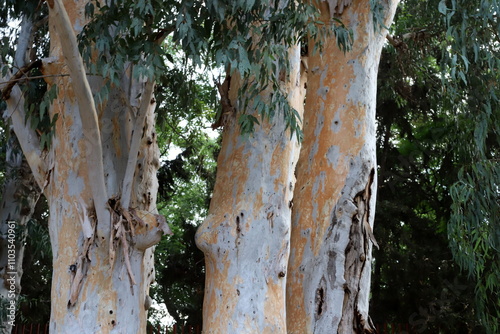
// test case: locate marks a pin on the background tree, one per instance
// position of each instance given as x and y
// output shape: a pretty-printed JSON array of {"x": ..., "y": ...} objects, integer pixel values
[
  {"x": 433, "y": 85},
  {"x": 186, "y": 182},
  {"x": 20, "y": 193}
]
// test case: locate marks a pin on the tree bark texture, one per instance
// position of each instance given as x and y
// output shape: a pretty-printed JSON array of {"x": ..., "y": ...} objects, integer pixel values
[
  {"x": 334, "y": 199},
  {"x": 102, "y": 251},
  {"x": 245, "y": 236}
]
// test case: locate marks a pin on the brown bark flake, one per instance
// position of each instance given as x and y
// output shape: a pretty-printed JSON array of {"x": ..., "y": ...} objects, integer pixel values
[{"x": 355, "y": 254}]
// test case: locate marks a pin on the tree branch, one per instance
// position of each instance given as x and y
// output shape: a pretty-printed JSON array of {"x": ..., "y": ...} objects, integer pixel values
[
  {"x": 27, "y": 137},
  {"x": 88, "y": 114},
  {"x": 146, "y": 102},
  {"x": 16, "y": 77}
]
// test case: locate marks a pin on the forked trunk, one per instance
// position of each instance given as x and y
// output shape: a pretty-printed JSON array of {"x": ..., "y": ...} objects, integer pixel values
[
  {"x": 101, "y": 189},
  {"x": 334, "y": 200}
]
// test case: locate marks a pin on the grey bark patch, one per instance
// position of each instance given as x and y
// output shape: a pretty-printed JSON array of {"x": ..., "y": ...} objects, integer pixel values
[
  {"x": 331, "y": 269},
  {"x": 333, "y": 155}
]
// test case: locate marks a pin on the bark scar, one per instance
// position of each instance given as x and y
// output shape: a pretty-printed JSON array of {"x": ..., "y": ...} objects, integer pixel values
[
  {"x": 227, "y": 107},
  {"x": 80, "y": 268},
  {"x": 78, "y": 275},
  {"x": 136, "y": 228},
  {"x": 356, "y": 254}
]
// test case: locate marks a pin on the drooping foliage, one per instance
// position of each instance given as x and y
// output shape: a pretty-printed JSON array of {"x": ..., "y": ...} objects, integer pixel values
[
  {"x": 438, "y": 151},
  {"x": 416, "y": 281},
  {"x": 471, "y": 63}
]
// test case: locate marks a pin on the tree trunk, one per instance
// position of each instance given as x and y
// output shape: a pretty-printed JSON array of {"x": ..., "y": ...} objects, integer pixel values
[
  {"x": 99, "y": 178},
  {"x": 245, "y": 236},
  {"x": 19, "y": 196},
  {"x": 334, "y": 199}
]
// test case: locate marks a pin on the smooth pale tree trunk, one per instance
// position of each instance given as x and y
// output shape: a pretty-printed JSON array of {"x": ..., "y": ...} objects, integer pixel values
[
  {"x": 334, "y": 200},
  {"x": 245, "y": 236},
  {"x": 99, "y": 178}
]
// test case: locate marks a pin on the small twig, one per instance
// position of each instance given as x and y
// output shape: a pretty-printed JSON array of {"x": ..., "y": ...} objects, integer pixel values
[
  {"x": 35, "y": 77},
  {"x": 16, "y": 77},
  {"x": 127, "y": 258}
]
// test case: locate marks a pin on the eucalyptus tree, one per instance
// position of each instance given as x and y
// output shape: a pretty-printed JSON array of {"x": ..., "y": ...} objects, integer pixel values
[
  {"x": 99, "y": 172},
  {"x": 98, "y": 176},
  {"x": 334, "y": 200}
]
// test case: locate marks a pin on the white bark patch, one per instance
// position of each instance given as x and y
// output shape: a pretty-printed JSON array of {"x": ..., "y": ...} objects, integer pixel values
[{"x": 76, "y": 182}]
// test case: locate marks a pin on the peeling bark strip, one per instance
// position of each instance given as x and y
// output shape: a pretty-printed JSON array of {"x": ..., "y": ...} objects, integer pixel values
[
  {"x": 227, "y": 109},
  {"x": 334, "y": 199},
  {"x": 356, "y": 253}
]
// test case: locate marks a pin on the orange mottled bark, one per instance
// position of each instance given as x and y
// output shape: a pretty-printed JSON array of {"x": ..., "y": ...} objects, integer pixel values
[
  {"x": 334, "y": 199},
  {"x": 245, "y": 237}
]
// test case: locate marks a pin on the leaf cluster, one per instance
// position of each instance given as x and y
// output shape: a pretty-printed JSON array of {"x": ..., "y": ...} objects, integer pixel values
[
  {"x": 251, "y": 38},
  {"x": 471, "y": 65},
  {"x": 415, "y": 141}
]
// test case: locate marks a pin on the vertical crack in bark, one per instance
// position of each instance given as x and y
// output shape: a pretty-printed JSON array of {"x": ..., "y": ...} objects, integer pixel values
[
  {"x": 320, "y": 301},
  {"x": 356, "y": 254}
]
